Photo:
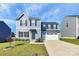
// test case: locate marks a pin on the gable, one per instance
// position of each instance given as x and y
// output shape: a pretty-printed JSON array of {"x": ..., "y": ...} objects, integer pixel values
[{"x": 22, "y": 16}]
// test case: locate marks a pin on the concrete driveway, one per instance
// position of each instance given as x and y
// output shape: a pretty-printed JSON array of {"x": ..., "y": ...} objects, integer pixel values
[{"x": 61, "y": 48}]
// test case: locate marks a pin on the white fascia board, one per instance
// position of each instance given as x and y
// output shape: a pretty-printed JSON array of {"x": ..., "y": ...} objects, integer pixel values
[{"x": 76, "y": 27}]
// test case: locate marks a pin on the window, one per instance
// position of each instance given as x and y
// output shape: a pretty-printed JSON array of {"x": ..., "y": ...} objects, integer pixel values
[
  {"x": 25, "y": 22},
  {"x": 20, "y": 22},
  {"x": 67, "y": 25},
  {"x": 54, "y": 26},
  {"x": 33, "y": 22},
  {"x": 26, "y": 34},
  {"x": 49, "y": 26},
  {"x": 44, "y": 25},
  {"x": 47, "y": 33},
  {"x": 20, "y": 34}
]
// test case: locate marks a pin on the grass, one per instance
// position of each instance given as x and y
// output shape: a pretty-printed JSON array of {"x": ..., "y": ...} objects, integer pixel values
[
  {"x": 23, "y": 48},
  {"x": 73, "y": 41}
]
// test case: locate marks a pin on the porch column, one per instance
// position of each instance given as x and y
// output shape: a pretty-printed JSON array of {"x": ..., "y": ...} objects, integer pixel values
[{"x": 30, "y": 35}]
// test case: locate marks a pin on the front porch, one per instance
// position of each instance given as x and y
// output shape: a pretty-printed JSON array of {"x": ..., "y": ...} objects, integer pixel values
[{"x": 33, "y": 33}]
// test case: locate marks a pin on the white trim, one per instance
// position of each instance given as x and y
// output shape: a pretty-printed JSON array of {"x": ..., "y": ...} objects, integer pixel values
[
  {"x": 76, "y": 27},
  {"x": 28, "y": 28},
  {"x": 68, "y": 37}
]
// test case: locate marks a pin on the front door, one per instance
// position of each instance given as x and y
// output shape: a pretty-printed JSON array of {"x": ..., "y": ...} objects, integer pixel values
[{"x": 33, "y": 36}]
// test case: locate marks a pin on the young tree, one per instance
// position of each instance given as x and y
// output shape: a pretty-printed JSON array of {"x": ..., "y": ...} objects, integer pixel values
[{"x": 9, "y": 40}]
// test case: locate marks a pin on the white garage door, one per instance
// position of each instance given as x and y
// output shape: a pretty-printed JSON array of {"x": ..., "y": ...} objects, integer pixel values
[{"x": 51, "y": 37}]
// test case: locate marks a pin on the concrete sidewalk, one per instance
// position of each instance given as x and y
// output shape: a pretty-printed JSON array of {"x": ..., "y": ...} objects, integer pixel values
[{"x": 61, "y": 48}]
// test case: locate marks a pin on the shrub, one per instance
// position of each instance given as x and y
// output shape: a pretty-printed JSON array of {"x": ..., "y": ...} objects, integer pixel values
[
  {"x": 78, "y": 37},
  {"x": 60, "y": 38},
  {"x": 16, "y": 39},
  {"x": 23, "y": 39},
  {"x": 27, "y": 40},
  {"x": 39, "y": 40}
]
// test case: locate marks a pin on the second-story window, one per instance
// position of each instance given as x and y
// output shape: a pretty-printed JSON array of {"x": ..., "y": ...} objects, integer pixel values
[
  {"x": 33, "y": 23},
  {"x": 20, "y": 22},
  {"x": 67, "y": 25},
  {"x": 44, "y": 25},
  {"x": 25, "y": 22},
  {"x": 54, "y": 26},
  {"x": 49, "y": 26}
]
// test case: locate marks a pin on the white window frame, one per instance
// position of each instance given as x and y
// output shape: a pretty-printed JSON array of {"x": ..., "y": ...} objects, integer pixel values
[
  {"x": 33, "y": 22},
  {"x": 54, "y": 26},
  {"x": 49, "y": 26}
]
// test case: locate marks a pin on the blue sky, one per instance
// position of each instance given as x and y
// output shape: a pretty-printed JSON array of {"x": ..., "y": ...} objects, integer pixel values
[{"x": 47, "y": 12}]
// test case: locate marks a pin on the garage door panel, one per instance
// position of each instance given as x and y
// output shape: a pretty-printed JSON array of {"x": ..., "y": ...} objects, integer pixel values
[{"x": 51, "y": 37}]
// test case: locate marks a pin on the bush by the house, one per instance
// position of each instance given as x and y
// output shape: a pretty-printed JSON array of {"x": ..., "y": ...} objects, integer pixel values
[
  {"x": 21, "y": 39},
  {"x": 78, "y": 37},
  {"x": 39, "y": 40},
  {"x": 60, "y": 38}
]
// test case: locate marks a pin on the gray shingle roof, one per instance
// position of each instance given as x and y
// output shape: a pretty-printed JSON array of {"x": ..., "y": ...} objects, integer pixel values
[
  {"x": 72, "y": 16},
  {"x": 51, "y": 31},
  {"x": 34, "y": 18},
  {"x": 49, "y": 23}
]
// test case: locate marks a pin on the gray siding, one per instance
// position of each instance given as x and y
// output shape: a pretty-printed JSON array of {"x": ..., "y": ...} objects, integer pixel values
[
  {"x": 70, "y": 29},
  {"x": 78, "y": 25}
]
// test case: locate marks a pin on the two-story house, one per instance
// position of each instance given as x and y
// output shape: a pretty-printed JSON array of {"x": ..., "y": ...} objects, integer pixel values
[
  {"x": 32, "y": 28},
  {"x": 50, "y": 31},
  {"x": 27, "y": 27},
  {"x": 70, "y": 27}
]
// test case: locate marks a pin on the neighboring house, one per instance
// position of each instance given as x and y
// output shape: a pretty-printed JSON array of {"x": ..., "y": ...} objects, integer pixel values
[
  {"x": 50, "y": 31},
  {"x": 70, "y": 27},
  {"x": 31, "y": 28},
  {"x": 5, "y": 31},
  {"x": 28, "y": 28}
]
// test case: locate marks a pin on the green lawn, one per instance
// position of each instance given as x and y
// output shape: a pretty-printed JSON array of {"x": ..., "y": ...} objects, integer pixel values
[
  {"x": 23, "y": 49},
  {"x": 74, "y": 41}
]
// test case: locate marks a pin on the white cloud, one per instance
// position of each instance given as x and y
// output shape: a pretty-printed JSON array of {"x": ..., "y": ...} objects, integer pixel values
[
  {"x": 4, "y": 8},
  {"x": 33, "y": 8},
  {"x": 56, "y": 11},
  {"x": 51, "y": 14}
]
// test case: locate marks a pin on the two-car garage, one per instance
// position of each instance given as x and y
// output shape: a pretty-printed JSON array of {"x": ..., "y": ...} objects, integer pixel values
[{"x": 51, "y": 37}]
